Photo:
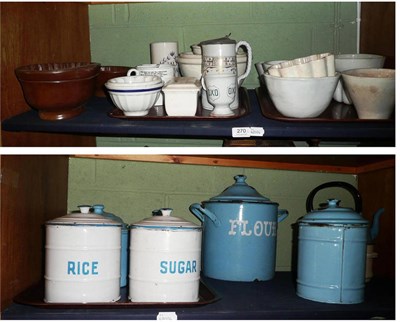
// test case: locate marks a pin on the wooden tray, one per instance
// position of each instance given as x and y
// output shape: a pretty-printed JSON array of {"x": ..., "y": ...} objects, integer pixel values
[
  {"x": 34, "y": 295},
  {"x": 335, "y": 112},
  {"x": 158, "y": 112}
]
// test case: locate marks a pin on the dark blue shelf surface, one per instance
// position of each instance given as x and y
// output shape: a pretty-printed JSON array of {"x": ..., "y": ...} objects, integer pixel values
[
  {"x": 96, "y": 121},
  {"x": 274, "y": 299}
]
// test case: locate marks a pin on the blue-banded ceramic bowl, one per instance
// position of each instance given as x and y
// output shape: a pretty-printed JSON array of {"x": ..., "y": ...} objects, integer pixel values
[{"x": 135, "y": 95}]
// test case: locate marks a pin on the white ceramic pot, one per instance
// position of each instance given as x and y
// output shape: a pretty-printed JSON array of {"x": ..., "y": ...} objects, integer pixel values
[
  {"x": 82, "y": 259},
  {"x": 181, "y": 96},
  {"x": 165, "y": 260}
]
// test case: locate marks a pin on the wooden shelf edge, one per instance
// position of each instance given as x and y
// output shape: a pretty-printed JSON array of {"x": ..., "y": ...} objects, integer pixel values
[
  {"x": 246, "y": 162},
  {"x": 385, "y": 164}
]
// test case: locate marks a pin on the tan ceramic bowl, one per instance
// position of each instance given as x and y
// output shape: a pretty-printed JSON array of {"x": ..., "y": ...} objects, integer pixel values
[{"x": 372, "y": 91}]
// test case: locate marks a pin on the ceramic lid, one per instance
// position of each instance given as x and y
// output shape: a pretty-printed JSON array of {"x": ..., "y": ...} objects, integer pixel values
[
  {"x": 241, "y": 191},
  {"x": 333, "y": 214},
  {"x": 223, "y": 41},
  {"x": 83, "y": 218},
  {"x": 183, "y": 84},
  {"x": 166, "y": 221}
]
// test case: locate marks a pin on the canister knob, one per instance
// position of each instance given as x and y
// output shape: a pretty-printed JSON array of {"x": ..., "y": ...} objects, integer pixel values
[
  {"x": 84, "y": 209},
  {"x": 353, "y": 191},
  {"x": 166, "y": 211}
]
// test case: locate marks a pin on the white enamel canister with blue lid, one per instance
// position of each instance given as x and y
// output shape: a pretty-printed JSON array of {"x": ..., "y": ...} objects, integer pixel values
[
  {"x": 331, "y": 254},
  {"x": 164, "y": 261},
  {"x": 82, "y": 262}
]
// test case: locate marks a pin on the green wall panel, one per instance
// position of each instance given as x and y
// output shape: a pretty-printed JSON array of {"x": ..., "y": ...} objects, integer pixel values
[
  {"x": 121, "y": 33},
  {"x": 132, "y": 190}
]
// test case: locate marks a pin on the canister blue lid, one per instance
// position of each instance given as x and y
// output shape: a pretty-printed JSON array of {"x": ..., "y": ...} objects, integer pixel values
[
  {"x": 241, "y": 191},
  {"x": 333, "y": 214}
]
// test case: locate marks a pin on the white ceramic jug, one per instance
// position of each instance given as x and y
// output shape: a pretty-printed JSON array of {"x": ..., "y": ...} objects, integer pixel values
[{"x": 220, "y": 56}]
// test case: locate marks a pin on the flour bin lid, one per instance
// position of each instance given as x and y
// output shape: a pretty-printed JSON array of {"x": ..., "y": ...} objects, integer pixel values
[{"x": 241, "y": 191}]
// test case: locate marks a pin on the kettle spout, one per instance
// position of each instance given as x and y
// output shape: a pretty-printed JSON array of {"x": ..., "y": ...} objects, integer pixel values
[{"x": 374, "y": 229}]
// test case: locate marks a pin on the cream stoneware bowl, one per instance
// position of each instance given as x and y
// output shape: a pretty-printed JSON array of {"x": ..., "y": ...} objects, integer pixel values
[
  {"x": 301, "y": 97},
  {"x": 190, "y": 64},
  {"x": 372, "y": 91},
  {"x": 135, "y": 95},
  {"x": 354, "y": 61}
]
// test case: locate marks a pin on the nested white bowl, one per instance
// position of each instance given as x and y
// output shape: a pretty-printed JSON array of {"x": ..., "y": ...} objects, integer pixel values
[
  {"x": 301, "y": 97},
  {"x": 136, "y": 81},
  {"x": 372, "y": 91},
  {"x": 190, "y": 64},
  {"x": 240, "y": 58},
  {"x": 354, "y": 61},
  {"x": 189, "y": 67},
  {"x": 135, "y": 95}
]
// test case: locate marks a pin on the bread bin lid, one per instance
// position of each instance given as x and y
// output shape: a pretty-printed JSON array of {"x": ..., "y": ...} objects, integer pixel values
[
  {"x": 166, "y": 221},
  {"x": 83, "y": 218},
  {"x": 241, "y": 191},
  {"x": 333, "y": 214}
]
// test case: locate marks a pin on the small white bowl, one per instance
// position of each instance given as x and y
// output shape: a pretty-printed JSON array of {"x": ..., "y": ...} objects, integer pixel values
[
  {"x": 240, "y": 58},
  {"x": 372, "y": 91},
  {"x": 196, "y": 49},
  {"x": 301, "y": 97},
  {"x": 190, "y": 65},
  {"x": 135, "y": 95},
  {"x": 189, "y": 68},
  {"x": 190, "y": 55},
  {"x": 354, "y": 61},
  {"x": 133, "y": 82}
]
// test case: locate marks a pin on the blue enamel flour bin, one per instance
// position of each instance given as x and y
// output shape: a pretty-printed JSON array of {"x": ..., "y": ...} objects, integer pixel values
[
  {"x": 331, "y": 255},
  {"x": 239, "y": 234}
]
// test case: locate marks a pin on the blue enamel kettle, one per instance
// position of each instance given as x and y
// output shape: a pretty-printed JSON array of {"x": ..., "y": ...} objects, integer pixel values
[{"x": 332, "y": 243}]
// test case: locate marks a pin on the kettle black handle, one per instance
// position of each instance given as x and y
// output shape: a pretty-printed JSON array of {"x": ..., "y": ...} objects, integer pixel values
[{"x": 354, "y": 192}]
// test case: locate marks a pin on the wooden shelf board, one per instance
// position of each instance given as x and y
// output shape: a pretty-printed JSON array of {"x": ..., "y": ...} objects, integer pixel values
[{"x": 315, "y": 163}]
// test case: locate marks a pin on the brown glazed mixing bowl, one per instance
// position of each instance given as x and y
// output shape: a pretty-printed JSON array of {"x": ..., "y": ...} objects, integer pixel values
[
  {"x": 106, "y": 73},
  {"x": 58, "y": 90}
]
